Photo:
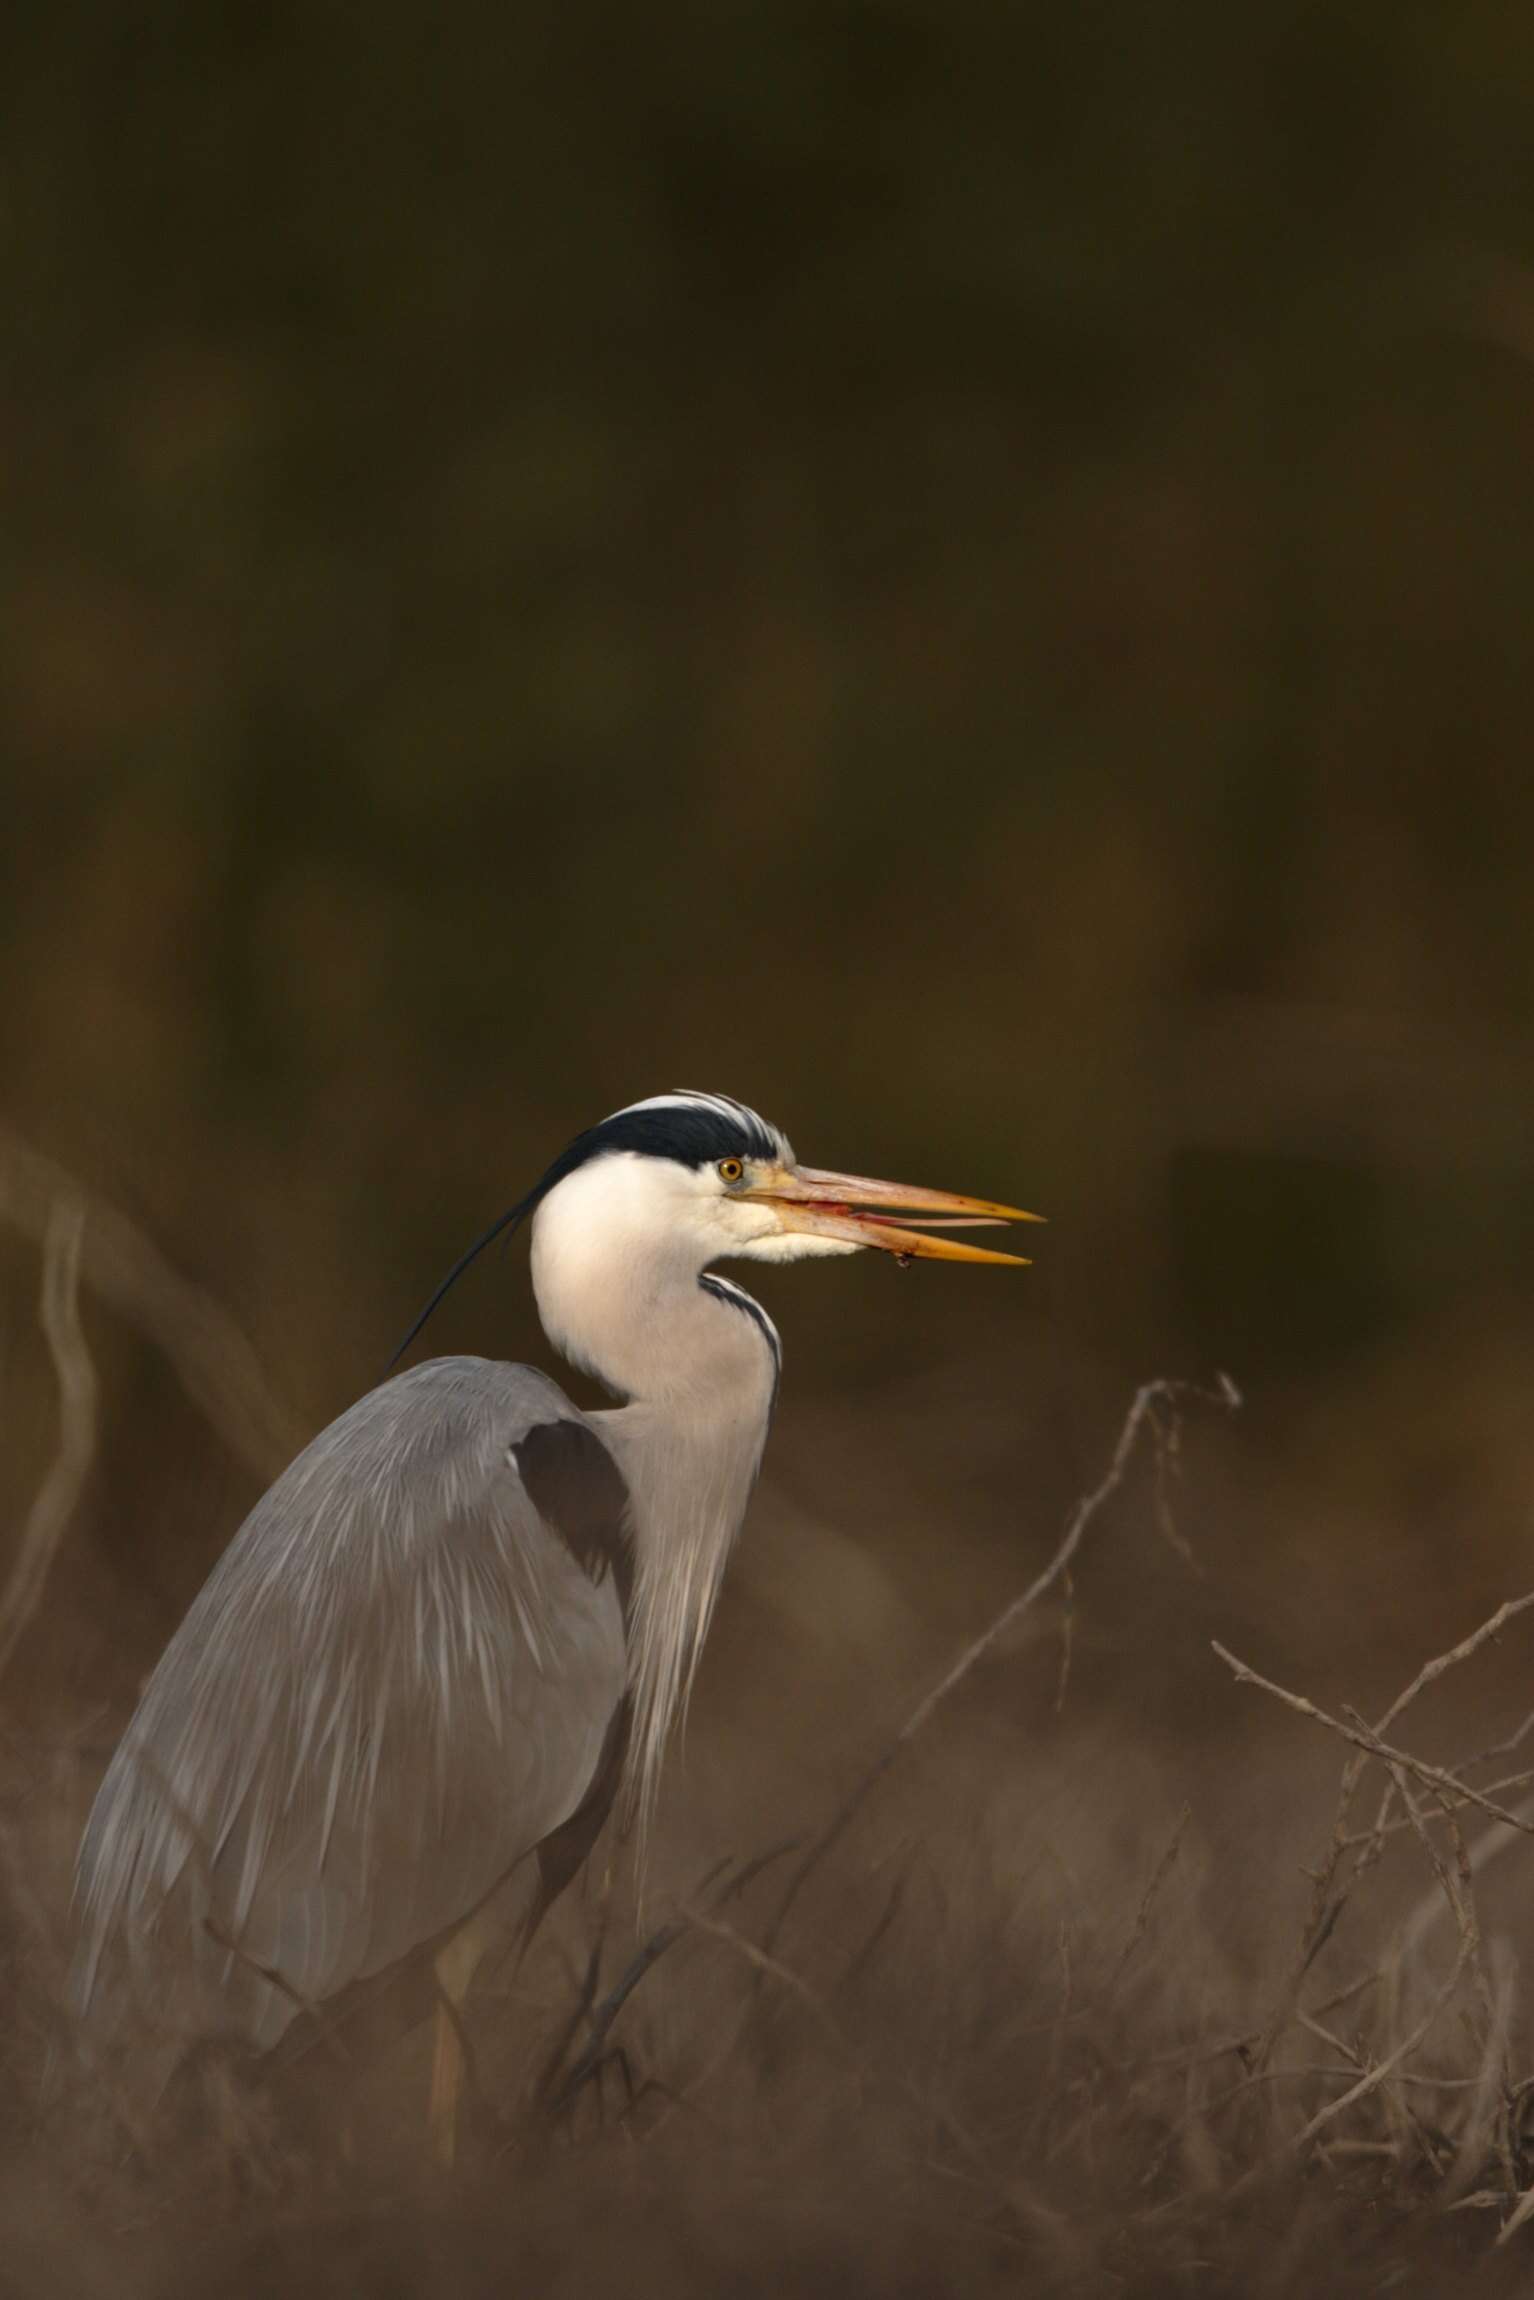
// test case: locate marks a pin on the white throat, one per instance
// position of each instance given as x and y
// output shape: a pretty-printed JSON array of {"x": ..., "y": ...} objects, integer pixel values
[{"x": 622, "y": 1293}]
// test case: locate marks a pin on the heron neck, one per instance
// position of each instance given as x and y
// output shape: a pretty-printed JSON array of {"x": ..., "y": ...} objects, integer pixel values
[{"x": 689, "y": 1448}]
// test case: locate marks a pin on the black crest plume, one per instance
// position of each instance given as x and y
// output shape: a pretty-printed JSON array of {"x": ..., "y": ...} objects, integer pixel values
[
  {"x": 507, "y": 1222},
  {"x": 690, "y": 1127}
]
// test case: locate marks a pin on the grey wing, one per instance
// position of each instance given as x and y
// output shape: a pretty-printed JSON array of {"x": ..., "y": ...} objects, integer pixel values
[{"x": 399, "y": 1678}]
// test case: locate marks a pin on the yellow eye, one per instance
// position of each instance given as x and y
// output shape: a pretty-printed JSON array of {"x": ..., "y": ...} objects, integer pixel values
[{"x": 730, "y": 1169}]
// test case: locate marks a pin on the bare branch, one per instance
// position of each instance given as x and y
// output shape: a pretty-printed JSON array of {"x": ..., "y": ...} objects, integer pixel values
[
  {"x": 1516, "y": 2219},
  {"x": 1376, "y": 2076},
  {"x": 701, "y": 1921},
  {"x": 1395, "y": 1828},
  {"x": 1142, "y": 1413},
  {"x": 557, "y": 2092},
  {"x": 1148, "y": 1899},
  {"x": 213, "y": 1361},
  {"x": 1327, "y": 1897},
  {"x": 60, "y": 1491},
  {"x": 1443, "y": 1662},
  {"x": 1371, "y": 1743}
]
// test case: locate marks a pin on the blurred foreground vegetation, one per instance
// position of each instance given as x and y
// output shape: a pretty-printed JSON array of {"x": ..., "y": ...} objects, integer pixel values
[{"x": 963, "y": 575}]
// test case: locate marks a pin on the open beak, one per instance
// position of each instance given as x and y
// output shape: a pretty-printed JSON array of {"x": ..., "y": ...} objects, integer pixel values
[{"x": 849, "y": 1206}]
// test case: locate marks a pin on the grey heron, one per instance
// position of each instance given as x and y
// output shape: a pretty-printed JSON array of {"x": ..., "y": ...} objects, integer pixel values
[{"x": 467, "y": 1614}]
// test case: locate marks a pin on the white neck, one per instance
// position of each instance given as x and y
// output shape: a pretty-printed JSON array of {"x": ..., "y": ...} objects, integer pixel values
[{"x": 626, "y": 1299}]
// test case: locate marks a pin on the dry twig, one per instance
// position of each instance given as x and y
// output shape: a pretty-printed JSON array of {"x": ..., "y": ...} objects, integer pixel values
[
  {"x": 1148, "y": 1899},
  {"x": 61, "y": 1489},
  {"x": 1328, "y": 1897},
  {"x": 1142, "y": 1413},
  {"x": 1436, "y": 1776},
  {"x": 213, "y": 1361},
  {"x": 1371, "y": 2081}
]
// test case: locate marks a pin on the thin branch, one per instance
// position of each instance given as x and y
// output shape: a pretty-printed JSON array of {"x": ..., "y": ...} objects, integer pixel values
[
  {"x": 701, "y": 1921},
  {"x": 1378, "y": 2074},
  {"x": 1327, "y": 1900},
  {"x": 1148, "y": 1899},
  {"x": 1379, "y": 1829},
  {"x": 1495, "y": 2076},
  {"x": 601, "y": 2016},
  {"x": 212, "y": 1359},
  {"x": 1516, "y": 2219},
  {"x": 1443, "y": 1662},
  {"x": 1515, "y": 1740},
  {"x": 1142, "y": 1412},
  {"x": 1067, "y": 1641},
  {"x": 1371, "y": 1743},
  {"x": 557, "y": 2093},
  {"x": 64, "y": 1483}
]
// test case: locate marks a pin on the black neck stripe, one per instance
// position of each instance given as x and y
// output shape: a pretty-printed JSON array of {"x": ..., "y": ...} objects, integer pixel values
[{"x": 723, "y": 1291}]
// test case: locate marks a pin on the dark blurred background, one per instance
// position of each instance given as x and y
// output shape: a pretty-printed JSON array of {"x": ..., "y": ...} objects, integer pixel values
[{"x": 962, "y": 574}]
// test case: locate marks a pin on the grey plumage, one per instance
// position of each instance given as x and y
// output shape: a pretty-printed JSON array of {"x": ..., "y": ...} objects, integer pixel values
[
  {"x": 398, "y": 1680},
  {"x": 467, "y": 1610}
]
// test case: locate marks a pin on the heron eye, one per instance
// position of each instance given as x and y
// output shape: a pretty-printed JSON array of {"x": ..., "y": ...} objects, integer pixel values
[{"x": 730, "y": 1169}]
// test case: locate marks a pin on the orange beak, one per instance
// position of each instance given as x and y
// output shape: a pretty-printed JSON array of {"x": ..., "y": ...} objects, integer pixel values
[{"x": 849, "y": 1206}]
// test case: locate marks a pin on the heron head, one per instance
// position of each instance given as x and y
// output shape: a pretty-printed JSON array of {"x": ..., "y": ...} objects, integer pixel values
[
  {"x": 686, "y": 1179},
  {"x": 707, "y": 1177}
]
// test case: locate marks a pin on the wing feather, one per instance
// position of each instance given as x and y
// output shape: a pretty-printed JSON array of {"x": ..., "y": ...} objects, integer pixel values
[{"x": 398, "y": 1679}]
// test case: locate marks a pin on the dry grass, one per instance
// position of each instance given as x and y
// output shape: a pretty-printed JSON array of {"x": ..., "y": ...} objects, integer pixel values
[{"x": 1045, "y": 2027}]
